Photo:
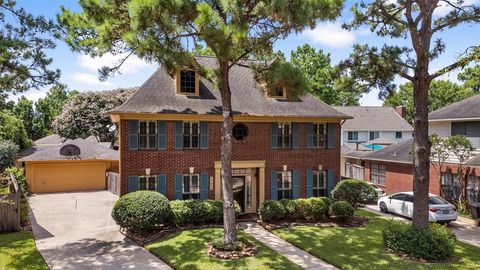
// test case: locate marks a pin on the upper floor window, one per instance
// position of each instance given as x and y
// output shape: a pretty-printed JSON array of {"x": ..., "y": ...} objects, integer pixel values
[
  {"x": 191, "y": 135},
  {"x": 148, "y": 182},
  {"x": 278, "y": 92},
  {"x": 284, "y": 135},
  {"x": 187, "y": 82},
  {"x": 319, "y": 184},
  {"x": 284, "y": 182},
  {"x": 319, "y": 135},
  {"x": 374, "y": 135},
  {"x": 377, "y": 173},
  {"x": 240, "y": 131},
  {"x": 398, "y": 135},
  {"x": 191, "y": 186},
  {"x": 353, "y": 136},
  {"x": 147, "y": 135}
]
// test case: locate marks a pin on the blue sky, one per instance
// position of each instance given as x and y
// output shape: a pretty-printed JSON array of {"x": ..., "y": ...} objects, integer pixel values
[{"x": 80, "y": 71}]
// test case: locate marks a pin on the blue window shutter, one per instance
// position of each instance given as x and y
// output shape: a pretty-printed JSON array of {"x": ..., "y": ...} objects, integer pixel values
[
  {"x": 296, "y": 185},
  {"x": 133, "y": 135},
  {"x": 331, "y": 127},
  {"x": 274, "y": 186},
  {"x": 331, "y": 182},
  {"x": 309, "y": 183},
  {"x": 132, "y": 183},
  {"x": 295, "y": 135},
  {"x": 162, "y": 135},
  {"x": 274, "y": 135},
  {"x": 203, "y": 186},
  {"x": 203, "y": 135},
  {"x": 178, "y": 186},
  {"x": 162, "y": 184},
  {"x": 178, "y": 135},
  {"x": 309, "y": 135}
]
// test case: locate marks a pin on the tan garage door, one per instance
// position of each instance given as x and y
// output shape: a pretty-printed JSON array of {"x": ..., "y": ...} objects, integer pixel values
[{"x": 60, "y": 177}]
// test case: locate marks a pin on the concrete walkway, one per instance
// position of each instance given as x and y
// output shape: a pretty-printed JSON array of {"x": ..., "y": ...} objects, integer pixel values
[
  {"x": 294, "y": 254},
  {"x": 76, "y": 231},
  {"x": 465, "y": 232}
]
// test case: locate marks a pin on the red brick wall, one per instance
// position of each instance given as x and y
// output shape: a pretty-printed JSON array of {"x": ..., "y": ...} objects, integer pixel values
[
  {"x": 399, "y": 176},
  {"x": 255, "y": 147}
]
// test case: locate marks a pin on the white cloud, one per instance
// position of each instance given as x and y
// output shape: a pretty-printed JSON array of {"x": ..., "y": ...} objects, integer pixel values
[
  {"x": 133, "y": 65},
  {"x": 32, "y": 95},
  {"x": 444, "y": 8},
  {"x": 332, "y": 34},
  {"x": 90, "y": 79}
]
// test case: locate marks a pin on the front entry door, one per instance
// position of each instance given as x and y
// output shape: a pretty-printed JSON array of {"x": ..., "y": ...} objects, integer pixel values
[{"x": 239, "y": 191}]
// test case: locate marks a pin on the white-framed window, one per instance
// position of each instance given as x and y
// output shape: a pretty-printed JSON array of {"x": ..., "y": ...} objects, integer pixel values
[
  {"x": 187, "y": 82},
  {"x": 147, "y": 182},
  {"x": 473, "y": 189},
  {"x": 374, "y": 135},
  {"x": 284, "y": 181},
  {"x": 191, "y": 135},
  {"x": 319, "y": 183},
  {"x": 284, "y": 135},
  {"x": 450, "y": 184},
  {"x": 377, "y": 173},
  {"x": 147, "y": 135},
  {"x": 191, "y": 186},
  {"x": 319, "y": 135},
  {"x": 398, "y": 134},
  {"x": 352, "y": 135}
]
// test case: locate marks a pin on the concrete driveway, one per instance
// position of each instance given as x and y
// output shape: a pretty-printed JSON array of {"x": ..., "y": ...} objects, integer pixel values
[
  {"x": 76, "y": 231},
  {"x": 465, "y": 232}
]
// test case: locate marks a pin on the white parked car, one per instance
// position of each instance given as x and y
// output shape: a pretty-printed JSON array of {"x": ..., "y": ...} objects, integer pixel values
[
  {"x": 380, "y": 192},
  {"x": 402, "y": 203}
]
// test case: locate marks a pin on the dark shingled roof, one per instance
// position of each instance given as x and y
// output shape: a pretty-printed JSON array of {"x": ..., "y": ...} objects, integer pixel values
[
  {"x": 467, "y": 108},
  {"x": 474, "y": 161},
  {"x": 158, "y": 95},
  {"x": 88, "y": 151},
  {"x": 371, "y": 118},
  {"x": 398, "y": 152}
]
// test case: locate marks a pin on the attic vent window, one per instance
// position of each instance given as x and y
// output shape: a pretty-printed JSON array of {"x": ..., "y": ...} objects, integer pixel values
[
  {"x": 187, "y": 82},
  {"x": 70, "y": 150},
  {"x": 278, "y": 92}
]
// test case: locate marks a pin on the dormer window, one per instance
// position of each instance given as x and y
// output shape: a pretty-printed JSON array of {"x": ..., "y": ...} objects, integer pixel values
[
  {"x": 278, "y": 92},
  {"x": 187, "y": 82}
]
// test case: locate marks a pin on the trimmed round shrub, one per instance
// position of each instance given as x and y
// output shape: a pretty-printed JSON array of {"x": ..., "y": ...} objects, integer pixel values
[
  {"x": 319, "y": 209},
  {"x": 189, "y": 212},
  {"x": 355, "y": 192},
  {"x": 271, "y": 210},
  {"x": 437, "y": 243},
  {"x": 342, "y": 211},
  {"x": 304, "y": 208},
  {"x": 141, "y": 210}
]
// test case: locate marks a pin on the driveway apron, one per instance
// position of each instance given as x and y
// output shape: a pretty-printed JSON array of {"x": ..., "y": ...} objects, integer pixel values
[{"x": 76, "y": 231}]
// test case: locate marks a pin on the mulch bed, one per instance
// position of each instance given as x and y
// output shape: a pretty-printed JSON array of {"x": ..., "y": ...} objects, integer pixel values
[
  {"x": 355, "y": 221},
  {"x": 247, "y": 250}
]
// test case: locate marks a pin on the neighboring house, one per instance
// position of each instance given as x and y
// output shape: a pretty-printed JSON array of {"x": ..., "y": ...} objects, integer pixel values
[
  {"x": 71, "y": 166},
  {"x": 371, "y": 128},
  {"x": 460, "y": 118},
  {"x": 38, "y": 145},
  {"x": 170, "y": 137}
]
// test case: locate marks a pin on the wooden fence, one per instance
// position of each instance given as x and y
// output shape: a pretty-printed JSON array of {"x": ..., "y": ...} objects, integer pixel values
[
  {"x": 10, "y": 209},
  {"x": 113, "y": 182}
]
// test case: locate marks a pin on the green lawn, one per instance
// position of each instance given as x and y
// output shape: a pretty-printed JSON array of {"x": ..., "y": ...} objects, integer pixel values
[
  {"x": 18, "y": 251},
  {"x": 362, "y": 248},
  {"x": 188, "y": 250}
]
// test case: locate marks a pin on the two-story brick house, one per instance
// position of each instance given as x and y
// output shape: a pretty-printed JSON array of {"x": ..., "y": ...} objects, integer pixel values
[{"x": 170, "y": 136}]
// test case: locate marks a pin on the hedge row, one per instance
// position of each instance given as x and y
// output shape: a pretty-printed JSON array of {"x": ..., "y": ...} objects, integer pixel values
[
  {"x": 311, "y": 209},
  {"x": 144, "y": 210}
]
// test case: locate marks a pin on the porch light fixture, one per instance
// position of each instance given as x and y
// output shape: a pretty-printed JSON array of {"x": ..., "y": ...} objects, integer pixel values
[
  {"x": 191, "y": 169},
  {"x": 285, "y": 168},
  {"x": 147, "y": 171},
  {"x": 320, "y": 167}
]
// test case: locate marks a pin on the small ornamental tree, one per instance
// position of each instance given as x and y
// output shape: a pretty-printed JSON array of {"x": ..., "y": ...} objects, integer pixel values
[
  {"x": 439, "y": 154},
  {"x": 416, "y": 22},
  {"x": 461, "y": 148},
  {"x": 166, "y": 32},
  {"x": 355, "y": 192}
]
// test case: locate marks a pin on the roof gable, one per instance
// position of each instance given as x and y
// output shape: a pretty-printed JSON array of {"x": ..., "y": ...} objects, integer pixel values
[
  {"x": 398, "y": 152},
  {"x": 158, "y": 95},
  {"x": 467, "y": 108},
  {"x": 373, "y": 118}
]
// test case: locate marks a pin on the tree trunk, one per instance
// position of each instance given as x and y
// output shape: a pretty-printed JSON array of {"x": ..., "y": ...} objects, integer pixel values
[
  {"x": 229, "y": 225},
  {"x": 421, "y": 171}
]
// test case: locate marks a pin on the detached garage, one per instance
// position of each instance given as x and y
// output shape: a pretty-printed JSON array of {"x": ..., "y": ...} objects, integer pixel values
[{"x": 75, "y": 165}]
